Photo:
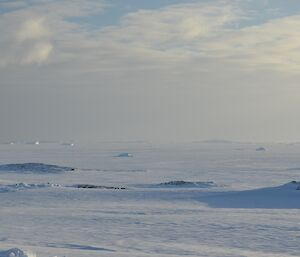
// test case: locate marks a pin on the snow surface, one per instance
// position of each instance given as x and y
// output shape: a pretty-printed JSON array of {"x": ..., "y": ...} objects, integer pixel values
[{"x": 198, "y": 199}]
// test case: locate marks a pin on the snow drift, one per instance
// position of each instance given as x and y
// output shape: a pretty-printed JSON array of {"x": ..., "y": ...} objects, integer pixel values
[{"x": 281, "y": 197}]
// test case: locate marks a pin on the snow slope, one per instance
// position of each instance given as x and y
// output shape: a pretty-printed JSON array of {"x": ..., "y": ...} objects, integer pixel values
[{"x": 196, "y": 199}]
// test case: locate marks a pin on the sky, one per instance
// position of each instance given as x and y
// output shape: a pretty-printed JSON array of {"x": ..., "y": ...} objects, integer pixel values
[{"x": 160, "y": 70}]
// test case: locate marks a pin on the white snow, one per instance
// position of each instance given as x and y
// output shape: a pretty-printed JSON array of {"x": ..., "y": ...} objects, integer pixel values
[{"x": 195, "y": 199}]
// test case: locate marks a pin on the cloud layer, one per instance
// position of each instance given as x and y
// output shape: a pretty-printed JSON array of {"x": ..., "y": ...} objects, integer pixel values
[{"x": 173, "y": 34}]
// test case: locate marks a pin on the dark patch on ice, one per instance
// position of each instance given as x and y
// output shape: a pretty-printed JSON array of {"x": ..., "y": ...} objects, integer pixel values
[
  {"x": 89, "y": 186},
  {"x": 286, "y": 196},
  {"x": 79, "y": 247},
  {"x": 33, "y": 167},
  {"x": 124, "y": 155},
  {"x": 260, "y": 149},
  {"x": 14, "y": 252},
  {"x": 182, "y": 183}
]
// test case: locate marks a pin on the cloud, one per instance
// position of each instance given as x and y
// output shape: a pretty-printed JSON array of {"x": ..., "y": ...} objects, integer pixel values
[
  {"x": 25, "y": 42},
  {"x": 38, "y": 53},
  {"x": 208, "y": 35},
  {"x": 32, "y": 29},
  {"x": 214, "y": 31},
  {"x": 175, "y": 26}
]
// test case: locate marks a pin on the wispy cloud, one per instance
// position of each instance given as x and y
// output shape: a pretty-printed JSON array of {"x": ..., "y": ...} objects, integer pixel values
[{"x": 201, "y": 31}]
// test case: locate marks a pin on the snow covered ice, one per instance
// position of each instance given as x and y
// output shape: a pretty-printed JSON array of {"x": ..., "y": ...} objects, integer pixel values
[
  {"x": 15, "y": 252},
  {"x": 196, "y": 199}
]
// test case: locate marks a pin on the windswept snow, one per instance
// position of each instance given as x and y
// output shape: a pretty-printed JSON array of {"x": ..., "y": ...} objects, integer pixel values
[
  {"x": 175, "y": 202},
  {"x": 286, "y": 196},
  {"x": 40, "y": 168}
]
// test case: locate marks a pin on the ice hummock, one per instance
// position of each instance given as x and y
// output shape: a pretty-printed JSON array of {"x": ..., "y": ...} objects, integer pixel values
[
  {"x": 15, "y": 252},
  {"x": 182, "y": 183},
  {"x": 24, "y": 186},
  {"x": 33, "y": 167},
  {"x": 90, "y": 186}
]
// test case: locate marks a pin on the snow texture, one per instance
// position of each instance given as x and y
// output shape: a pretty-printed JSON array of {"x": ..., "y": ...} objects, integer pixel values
[{"x": 196, "y": 199}]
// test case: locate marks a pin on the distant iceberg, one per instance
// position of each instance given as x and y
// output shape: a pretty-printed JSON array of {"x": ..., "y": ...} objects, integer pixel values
[{"x": 125, "y": 155}]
